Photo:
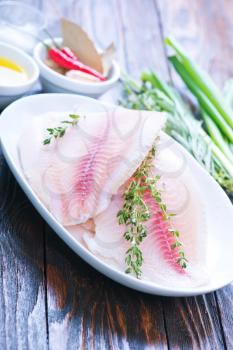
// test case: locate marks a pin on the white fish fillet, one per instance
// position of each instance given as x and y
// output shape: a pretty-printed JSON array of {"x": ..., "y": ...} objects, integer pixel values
[
  {"x": 181, "y": 194},
  {"x": 76, "y": 176}
]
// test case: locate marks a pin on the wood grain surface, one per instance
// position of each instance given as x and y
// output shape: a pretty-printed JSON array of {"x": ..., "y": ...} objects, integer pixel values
[
  {"x": 204, "y": 28},
  {"x": 49, "y": 297},
  {"x": 22, "y": 287}
]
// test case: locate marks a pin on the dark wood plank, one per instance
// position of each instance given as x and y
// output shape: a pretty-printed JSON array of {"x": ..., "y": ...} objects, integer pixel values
[
  {"x": 193, "y": 323},
  {"x": 22, "y": 293},
  {"x": 225, "y": 308}
]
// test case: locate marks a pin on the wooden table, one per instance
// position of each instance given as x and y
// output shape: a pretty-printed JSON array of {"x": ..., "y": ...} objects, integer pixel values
[{"x": 50, "y": 298}]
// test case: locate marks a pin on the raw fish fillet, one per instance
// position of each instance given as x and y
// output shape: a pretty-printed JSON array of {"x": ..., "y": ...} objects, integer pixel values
[
  {"x": 77, "y": 175},
  {"x": 181, "y": 195}
]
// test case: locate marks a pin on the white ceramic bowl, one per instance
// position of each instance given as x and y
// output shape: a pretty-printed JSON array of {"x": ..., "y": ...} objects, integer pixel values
[
  {"x": 56, "y": 82},
  {"x": 11, "y": 93}
]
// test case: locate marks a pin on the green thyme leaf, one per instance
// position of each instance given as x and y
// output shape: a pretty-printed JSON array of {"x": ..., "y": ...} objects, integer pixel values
[{"x": 60, "y": 131}]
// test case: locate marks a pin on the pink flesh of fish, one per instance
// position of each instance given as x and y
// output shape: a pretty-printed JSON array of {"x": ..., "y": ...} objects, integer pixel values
[
  {"x": 158, "y": 227},
  {"x": 83, "y": 198},
  {"x": 160, "y": 260},
  {"x": 76, "y": 176}
]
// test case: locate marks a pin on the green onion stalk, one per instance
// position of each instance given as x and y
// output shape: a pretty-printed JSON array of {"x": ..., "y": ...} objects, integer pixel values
[
  {"x": 203, "y": 81},
  {"x": 215, "y": 107},
  {"x": 203, "y": 100}
]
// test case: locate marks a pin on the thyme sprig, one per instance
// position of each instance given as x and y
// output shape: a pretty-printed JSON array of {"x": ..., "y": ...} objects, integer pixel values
[
  {"x": 59, "y": 131},
  {"x": 136, "y": 212}
]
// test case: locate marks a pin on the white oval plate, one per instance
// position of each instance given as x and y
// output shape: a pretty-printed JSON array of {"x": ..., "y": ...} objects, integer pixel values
[{"x": 219, "y": 210}]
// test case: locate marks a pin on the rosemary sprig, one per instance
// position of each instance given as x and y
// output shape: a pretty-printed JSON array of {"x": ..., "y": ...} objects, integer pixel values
[
  {"x": 59, "y": 131},
  {"x": 136, "y": 212}
]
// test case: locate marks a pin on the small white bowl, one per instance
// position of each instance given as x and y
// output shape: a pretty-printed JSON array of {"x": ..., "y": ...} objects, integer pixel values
[
  {"x": 10, "y": 93},
  {"x": 56, "y": 82}
]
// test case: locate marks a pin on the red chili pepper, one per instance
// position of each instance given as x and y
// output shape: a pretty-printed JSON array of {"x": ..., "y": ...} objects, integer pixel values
[
  {"x": 61, "y": 59},
  {"x": 69, "y": 53}
]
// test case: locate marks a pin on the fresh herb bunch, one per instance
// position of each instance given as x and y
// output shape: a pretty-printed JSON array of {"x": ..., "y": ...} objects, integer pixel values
[
  {"x": 154, "y": 94},
  {"x": 135, "y": 213},
  {"x": 59, "y": 131}
]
